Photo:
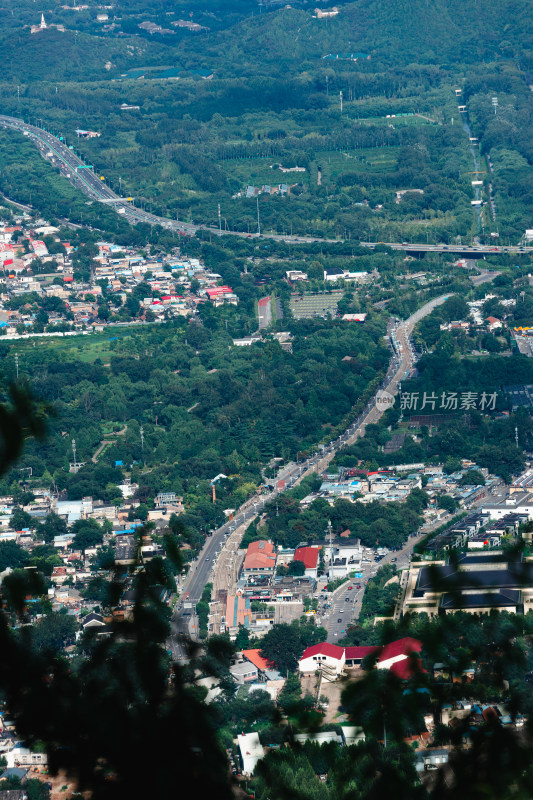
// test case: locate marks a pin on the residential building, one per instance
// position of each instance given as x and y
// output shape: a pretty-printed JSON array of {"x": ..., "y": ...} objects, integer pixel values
[
  {"x": 309, "y": 556},
  {"x": 243, "y": 672},
  {"x": 251, "y": 751},
  {"x": 260, "y": 559}
]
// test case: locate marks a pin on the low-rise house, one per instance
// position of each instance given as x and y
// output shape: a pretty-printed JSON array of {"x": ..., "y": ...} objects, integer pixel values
[
  {"x": 493, "y": 324},
  {"x": 430, "y": 759},
  {"x": 325, "y": 657},
  {"x": 251, "y": 751},
  {"x": 309, "y": 556},
  {"x": 260, "y": 559},
  {"x": 244, "y": 672},
  {"x": 20, "y": 756}
]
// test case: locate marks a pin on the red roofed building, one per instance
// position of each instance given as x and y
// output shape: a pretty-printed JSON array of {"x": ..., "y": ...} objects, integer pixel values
[
  {"x": 222, "y": 294},
  {"x": 401, "y": 657},
  {"x": 493, "y": 323},
  {"x": 354, "y": 655},
  {"x": 309, "y": 556},
  {"x": 260, "y": 558},
  {"x": 326, "y": 657}
]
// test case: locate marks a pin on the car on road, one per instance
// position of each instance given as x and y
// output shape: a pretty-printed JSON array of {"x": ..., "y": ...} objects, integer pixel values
[
  {"x": 350, "y": 587},
  {"x": 339, "y": 620}
]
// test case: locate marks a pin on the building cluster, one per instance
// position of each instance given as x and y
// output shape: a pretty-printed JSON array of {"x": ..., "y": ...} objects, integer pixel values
[
  {"x": 395, "y": 484},
  {"x": 38, "y": 267},
  {"x": 476, "y": 318},
  {"x": 255, "y": 191},
  {"x": 75, "y": 566},
  {"x": 488, "y": 574},
  {"x": 333, "y": 664},
  {"x": 269, "y": 589}
]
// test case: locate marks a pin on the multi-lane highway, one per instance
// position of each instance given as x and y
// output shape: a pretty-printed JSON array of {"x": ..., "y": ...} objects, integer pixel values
[
  {"x": 86, "y": 179},
  {"x": 217, "y": 546}
]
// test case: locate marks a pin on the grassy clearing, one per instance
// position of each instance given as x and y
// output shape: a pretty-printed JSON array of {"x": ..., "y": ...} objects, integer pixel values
[
  {"x": 375, "y": 159},
  {"x": 257, "y": 171},
  {"x": 79, "y": 348}
]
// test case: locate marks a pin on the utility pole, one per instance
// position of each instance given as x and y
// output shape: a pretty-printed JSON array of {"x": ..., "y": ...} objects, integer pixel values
[
  {"x": 141, "y": 431},
  {"x": 17, "y": 364},
  {"x": 327, "y": 85},
  {"x": 258, "y": 223},
  {"x": 516, "y": 434},
  {"x": 330, "y": 539},
  {"x": 219, "y": 219},
  {"x": 340, "y": 95},
  {"x": 74, "y": 454}
]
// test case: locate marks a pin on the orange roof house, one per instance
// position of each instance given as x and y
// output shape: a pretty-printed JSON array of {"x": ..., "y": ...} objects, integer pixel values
[
  {"x": 260, "y": 557},
  {"x": 255, "y": 658}
]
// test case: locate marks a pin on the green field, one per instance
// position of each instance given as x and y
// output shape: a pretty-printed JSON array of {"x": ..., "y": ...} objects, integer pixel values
[
  {"x": 81, "y": 348},
  {"x": 257, "y": 171},
  {"x": 370, "y": 159}
]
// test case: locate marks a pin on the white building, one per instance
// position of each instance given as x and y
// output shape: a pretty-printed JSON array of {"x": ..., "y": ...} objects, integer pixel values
[
  {"x": 516, "y": 504},
  {"x": 20, "y": 756},
  {"x": 342, "y": 559},
  {"x": 251, "y": 751},
  {"x": 328, "y": 658}
]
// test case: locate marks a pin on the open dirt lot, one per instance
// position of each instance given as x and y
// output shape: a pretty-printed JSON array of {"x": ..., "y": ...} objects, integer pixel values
[{"x": 333, "y": 692}]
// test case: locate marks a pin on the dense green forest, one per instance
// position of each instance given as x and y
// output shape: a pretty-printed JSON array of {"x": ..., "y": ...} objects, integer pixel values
[
  {"x": 471, "y": 435},
  {"x": 205, "y": 406}
]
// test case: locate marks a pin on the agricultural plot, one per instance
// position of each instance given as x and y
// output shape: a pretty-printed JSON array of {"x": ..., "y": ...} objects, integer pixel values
[
  {"x": 305, "y": 306},
  {"x": 258, "y": 171},
  {"x": 81, "y": 348},
  {"x": 375, "y": 159}
]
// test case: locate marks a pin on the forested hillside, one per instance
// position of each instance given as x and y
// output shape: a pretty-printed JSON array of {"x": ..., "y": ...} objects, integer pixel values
[
  {"x": 255, "y": 92},
  {"x": 205, "y": 406}
]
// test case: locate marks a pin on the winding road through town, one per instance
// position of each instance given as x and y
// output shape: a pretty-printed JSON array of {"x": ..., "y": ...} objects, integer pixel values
[{"x": 221, "y": 547}]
